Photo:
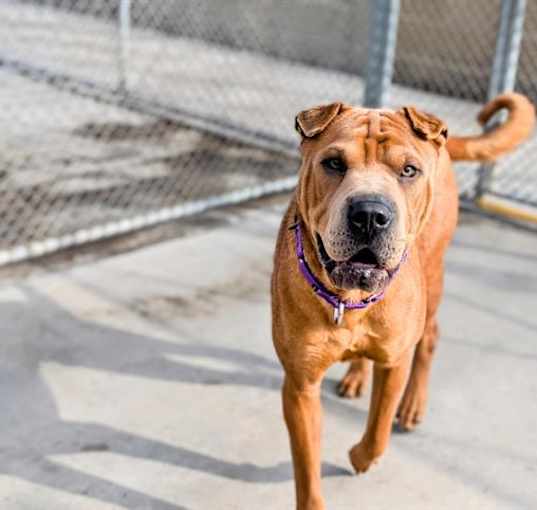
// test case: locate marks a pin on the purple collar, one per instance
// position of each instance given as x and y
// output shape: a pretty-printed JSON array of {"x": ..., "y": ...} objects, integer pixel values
[{"x": 335, "y": 301}]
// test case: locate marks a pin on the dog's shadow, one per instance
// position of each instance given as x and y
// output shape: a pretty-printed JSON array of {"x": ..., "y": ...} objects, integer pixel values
[{"x": 33, "y": 427}]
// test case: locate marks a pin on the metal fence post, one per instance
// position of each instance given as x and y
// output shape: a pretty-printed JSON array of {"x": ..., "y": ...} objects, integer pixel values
[
  {"x": 504, "y": 68},
  {"x": 124, "y": 20},
  {"x": 383, "y": 17}
]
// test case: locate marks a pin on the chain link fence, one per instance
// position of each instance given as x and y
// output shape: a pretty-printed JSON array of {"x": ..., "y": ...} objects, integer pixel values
[
  {"x": 447, "y": 49},
  {"x": 117, "y": 115}
]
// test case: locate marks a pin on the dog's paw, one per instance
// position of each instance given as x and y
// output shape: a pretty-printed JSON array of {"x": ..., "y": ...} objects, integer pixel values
[
  {"x": 362, "y": 458},
  {"x": 353, "y": 385},
  {"x": 412, "y": 407}
]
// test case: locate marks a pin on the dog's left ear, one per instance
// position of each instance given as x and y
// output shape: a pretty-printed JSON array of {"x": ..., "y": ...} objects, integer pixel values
[
  {"x": 425, "y": 125},
  {"x": 310, "y": 123}
]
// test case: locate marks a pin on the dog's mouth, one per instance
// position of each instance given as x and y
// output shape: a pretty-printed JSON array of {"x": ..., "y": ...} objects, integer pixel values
[
  {"x": 365, "y": 257},
  {"x": 361, "y": 271}
]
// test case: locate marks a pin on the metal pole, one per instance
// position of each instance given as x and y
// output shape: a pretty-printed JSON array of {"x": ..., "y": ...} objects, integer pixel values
[
  {"x": 124, "y": 19},
  {"x": 383, "y": 18},
  {"x": 504, "y": 69},
  {"x": 508, "y": 44}
]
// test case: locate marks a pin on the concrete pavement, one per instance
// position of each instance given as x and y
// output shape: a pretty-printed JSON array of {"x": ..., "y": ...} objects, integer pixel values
[{"x": 148, "y": 381}]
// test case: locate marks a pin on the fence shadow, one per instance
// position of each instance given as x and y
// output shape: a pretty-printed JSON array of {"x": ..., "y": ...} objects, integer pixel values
[{"x": 35, "y": 430}]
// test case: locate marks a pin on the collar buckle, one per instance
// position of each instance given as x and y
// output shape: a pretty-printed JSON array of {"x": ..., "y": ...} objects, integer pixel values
[{"x": 339, "y": 312}]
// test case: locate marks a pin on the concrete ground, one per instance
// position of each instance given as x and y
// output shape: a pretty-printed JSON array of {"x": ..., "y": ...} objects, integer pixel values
[{"x": 147, "y": 380}]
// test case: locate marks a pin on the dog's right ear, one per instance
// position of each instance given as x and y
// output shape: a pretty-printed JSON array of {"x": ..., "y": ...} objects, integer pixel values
[{"x": 310, "y": 123}]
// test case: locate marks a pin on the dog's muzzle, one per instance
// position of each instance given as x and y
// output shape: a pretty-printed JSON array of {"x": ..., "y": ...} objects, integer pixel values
[
  {"x": 361, "y": 271},
  {"x": 334, "y": 300},
  {"x": 370, "y": 248}
]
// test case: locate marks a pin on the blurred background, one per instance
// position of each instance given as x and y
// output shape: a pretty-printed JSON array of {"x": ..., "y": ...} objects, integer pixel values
[
  {"x": 121, "y": 114},
  {"x": 147, "y": 153}
]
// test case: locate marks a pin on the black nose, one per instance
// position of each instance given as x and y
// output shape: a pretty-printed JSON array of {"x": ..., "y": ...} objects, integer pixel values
[{"x": 367, "y": 216}]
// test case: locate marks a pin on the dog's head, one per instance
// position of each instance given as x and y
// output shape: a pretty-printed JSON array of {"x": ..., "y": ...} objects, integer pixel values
[{"x": 366, "y": 187}]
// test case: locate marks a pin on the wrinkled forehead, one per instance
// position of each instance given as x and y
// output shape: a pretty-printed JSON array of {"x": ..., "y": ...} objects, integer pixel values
[
  {"x": 370, "y": 135},
  {"x": 375, "y": 124}
]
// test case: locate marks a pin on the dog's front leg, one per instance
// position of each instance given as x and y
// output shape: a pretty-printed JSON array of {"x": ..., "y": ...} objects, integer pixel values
[
  {"x": 303, "y": 414},
  {"x": 388, "y": 385}
]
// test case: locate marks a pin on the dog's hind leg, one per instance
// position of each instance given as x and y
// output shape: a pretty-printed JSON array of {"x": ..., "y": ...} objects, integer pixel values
[
  {"x": 414, "y": 402},
  {"x": 354, "y": 382}
]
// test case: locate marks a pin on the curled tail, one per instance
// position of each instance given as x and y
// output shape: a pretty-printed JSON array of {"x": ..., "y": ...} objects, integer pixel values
[{"x": 501, "y": 139}]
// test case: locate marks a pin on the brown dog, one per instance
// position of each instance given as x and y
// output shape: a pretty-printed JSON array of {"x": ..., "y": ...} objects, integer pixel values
[{"x": 374, "y": 211}]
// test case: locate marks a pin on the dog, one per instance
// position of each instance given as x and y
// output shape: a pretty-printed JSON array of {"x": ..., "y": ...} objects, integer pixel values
[{"x": 359, "y": 263}]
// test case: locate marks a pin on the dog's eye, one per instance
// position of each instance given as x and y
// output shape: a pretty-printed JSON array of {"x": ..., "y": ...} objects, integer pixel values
[
  {"x": 409, "y": 172},
  {"x": 334, "y": 164}
]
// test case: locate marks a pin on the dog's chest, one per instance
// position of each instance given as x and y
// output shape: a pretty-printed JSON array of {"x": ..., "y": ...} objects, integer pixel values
[{"x": 354, "y": 338}]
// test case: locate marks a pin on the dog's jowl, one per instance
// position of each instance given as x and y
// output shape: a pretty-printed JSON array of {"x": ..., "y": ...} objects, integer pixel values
[{"x": 358, "y": 267}]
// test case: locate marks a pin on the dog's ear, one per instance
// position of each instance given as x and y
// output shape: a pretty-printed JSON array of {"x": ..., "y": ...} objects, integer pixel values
[
  {"x": 425, "y": 125},
  {"x": 310, "y": 123}
]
